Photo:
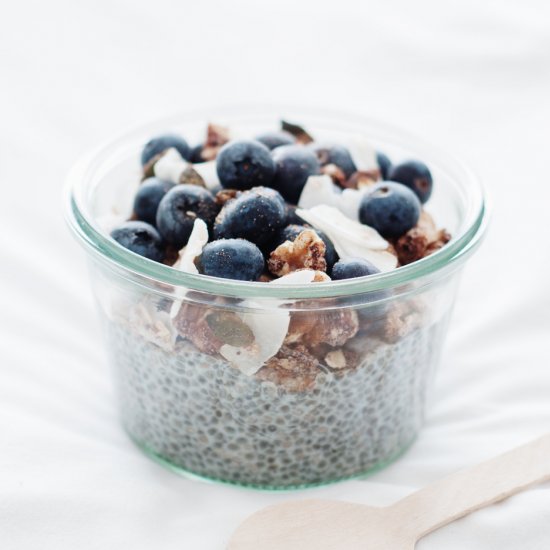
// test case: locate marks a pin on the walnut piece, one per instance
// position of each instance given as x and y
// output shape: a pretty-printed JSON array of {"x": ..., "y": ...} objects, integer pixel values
[
  {"x": 339, "y": 359},
  {"x": 225, "y": 195},
  {"x": 420, "y": 241},
  {"x": 336, "y": 173},
  {"x": 334, "y": 328},
  {"x": 294, "y": 368},
  {"x": 191, "y": 322},
  {"x": 149, "y": 168},
  {"x": 320, "y": 277},
  {"x": 216, "y": 137},
  {"x": 400, "y": 321},
  {"x": 307, "y": 251},
  {"x": 362, "y": 179},
  {"x": 297, "y": 131}
]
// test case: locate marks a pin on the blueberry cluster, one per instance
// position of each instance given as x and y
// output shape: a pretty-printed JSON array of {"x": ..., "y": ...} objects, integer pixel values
[{"x": 251, "y": 209}]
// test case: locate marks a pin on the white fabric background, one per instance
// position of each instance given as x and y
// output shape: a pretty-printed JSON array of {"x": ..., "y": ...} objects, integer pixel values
[{"x": 471, "y": 76}]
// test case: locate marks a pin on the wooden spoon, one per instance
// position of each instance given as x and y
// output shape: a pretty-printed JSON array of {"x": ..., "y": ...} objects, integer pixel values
[{"x": 332, "y": 525}]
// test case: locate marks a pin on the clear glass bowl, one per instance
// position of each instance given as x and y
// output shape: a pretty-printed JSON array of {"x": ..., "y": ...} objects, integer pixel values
[{"x": 346, "y": 392}]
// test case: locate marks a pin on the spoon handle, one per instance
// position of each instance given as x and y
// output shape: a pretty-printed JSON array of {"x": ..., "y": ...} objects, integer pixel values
[{"x": 468, "y": 490}]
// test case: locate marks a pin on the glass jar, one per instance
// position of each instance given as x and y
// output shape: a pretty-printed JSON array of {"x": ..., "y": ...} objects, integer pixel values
[{"x": 265, "y": 385}]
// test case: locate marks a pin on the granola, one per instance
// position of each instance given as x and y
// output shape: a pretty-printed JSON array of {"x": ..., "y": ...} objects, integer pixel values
[{"x": 307, "y": 251}]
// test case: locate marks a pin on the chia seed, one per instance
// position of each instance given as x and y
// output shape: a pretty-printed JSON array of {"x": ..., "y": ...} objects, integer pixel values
[{"x": 215, "y": 422}]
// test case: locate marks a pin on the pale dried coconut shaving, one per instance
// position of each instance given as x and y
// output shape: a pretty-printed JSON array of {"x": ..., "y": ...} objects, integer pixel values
[
  {"x": 350, "y": 238},
  {"x": 186, "y": 258},
  {"x": 362, "y": 153},
  {"x": 320, "y": 190},
  {"x": 155, "y": 326},
  {"x": 269, "y": 328}
]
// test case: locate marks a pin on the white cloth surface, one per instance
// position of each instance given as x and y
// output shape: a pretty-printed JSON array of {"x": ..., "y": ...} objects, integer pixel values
[{"x": 471, "y": 76}]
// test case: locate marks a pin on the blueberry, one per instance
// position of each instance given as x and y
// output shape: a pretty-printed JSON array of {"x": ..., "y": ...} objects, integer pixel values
[
  {"x": 291, "y": 216},
  {"x": 291, "y": 231},
  {"x": 141, "y": 238},
  {"x": 231, "y": 259},
  {"x": 275, "y": 139},
  {"x": 161, "y": 143},
  {"x": 179, "y": 209},
  {"x": 254, "y": 215},
  {"x": 334, "y": 154},
  {"x": 195, "y": 155},
  {"x": 353, "y": 267},
  {"x": 415, "y": 175},
  {"x": 244, "y": 164},
  {"x": 384, "y": 163},
  {"x": 148, "y": 197},
  {"x": 391, "y": 208},
  {"x": 293, "y": 165}
]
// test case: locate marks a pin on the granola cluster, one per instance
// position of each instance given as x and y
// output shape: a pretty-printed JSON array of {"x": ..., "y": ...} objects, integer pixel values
[{"x": 307, "y": 251}]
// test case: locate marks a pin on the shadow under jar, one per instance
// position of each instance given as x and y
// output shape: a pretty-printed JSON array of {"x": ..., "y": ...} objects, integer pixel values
[{"x": 348, "y": 365}]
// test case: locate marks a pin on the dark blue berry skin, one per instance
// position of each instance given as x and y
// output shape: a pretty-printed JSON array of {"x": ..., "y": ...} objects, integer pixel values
[
  {"x": 231, "y": 259},
  {"x": 293, "y": 165},
  {"x": 195, "y": 154},
  {"x": 244, "y": 164},
  {"x": 159, "y": 144},
  {"x": 415, "y": 175},
  {"x": 179, "y": 209},
  {"x": 334, "y": 154},
  {"x": 292, "y": 217},
  {"x": 384, "y": 163},
  {"x": 141, "y": 238},
  {"x": 353, "y": 267},
  {"x": 291, "y": 231},
  {"x": 391, "y": 208},
  {"x": 148, "y": 197},
  {"x": 275, "y": 139},
  {"x": 255, "y": 215}
]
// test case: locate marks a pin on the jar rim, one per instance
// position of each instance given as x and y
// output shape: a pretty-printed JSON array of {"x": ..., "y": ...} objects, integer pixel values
[{"x": 453, "y": 253}]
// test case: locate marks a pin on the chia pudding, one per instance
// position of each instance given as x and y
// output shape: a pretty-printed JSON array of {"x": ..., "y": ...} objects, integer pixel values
[
  {"x": 202, "y": 415},
  {"x": 264, "y": 353}
]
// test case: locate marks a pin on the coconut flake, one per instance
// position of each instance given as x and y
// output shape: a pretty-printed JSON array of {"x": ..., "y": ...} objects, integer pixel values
[
  {"x": 301, "y": 277},
  {"x": 153, "y": 325},
  {"x": 186, "y": 258},
  {"x": 209, "y": 174},
  {"x": 350, "y": 238},
  {"x": 171, "y": 166},
  {"x": 269, "y": 328},
  {"x": 197, "y": 241},
  {"x": 320, "y": 190},
  {"x": 269, "y": 331},
  {"x": 362, "y": 153},
  {"x": 350, "y": 202}
]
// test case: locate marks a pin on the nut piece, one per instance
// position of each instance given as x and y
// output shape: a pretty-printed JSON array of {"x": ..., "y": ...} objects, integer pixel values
[
  {"x": 149, "y": 168},
  {"x": 339, "y": 359},
  {"x": 229, "y": 328},
  {"x": 336, "y": 359},
  {"x": 420, "y": 241},
  {"x": 320, "y": 277},
  {"x": 216, "y": 137},
  {"x": 334, "y": 328},
  {"x": 297, "y": 131},
  {"x": 362, "y": 179},
  {"x": 192, "y": 324},
  {"x": 307, "y": 251},
  {"x": 190, "y": 175},
  {"x": 336, "y": 173},
  {"x": 400, "y": 321},
  {"x": 225, "y": 195},
  {"x": 294, "y": 368}
]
